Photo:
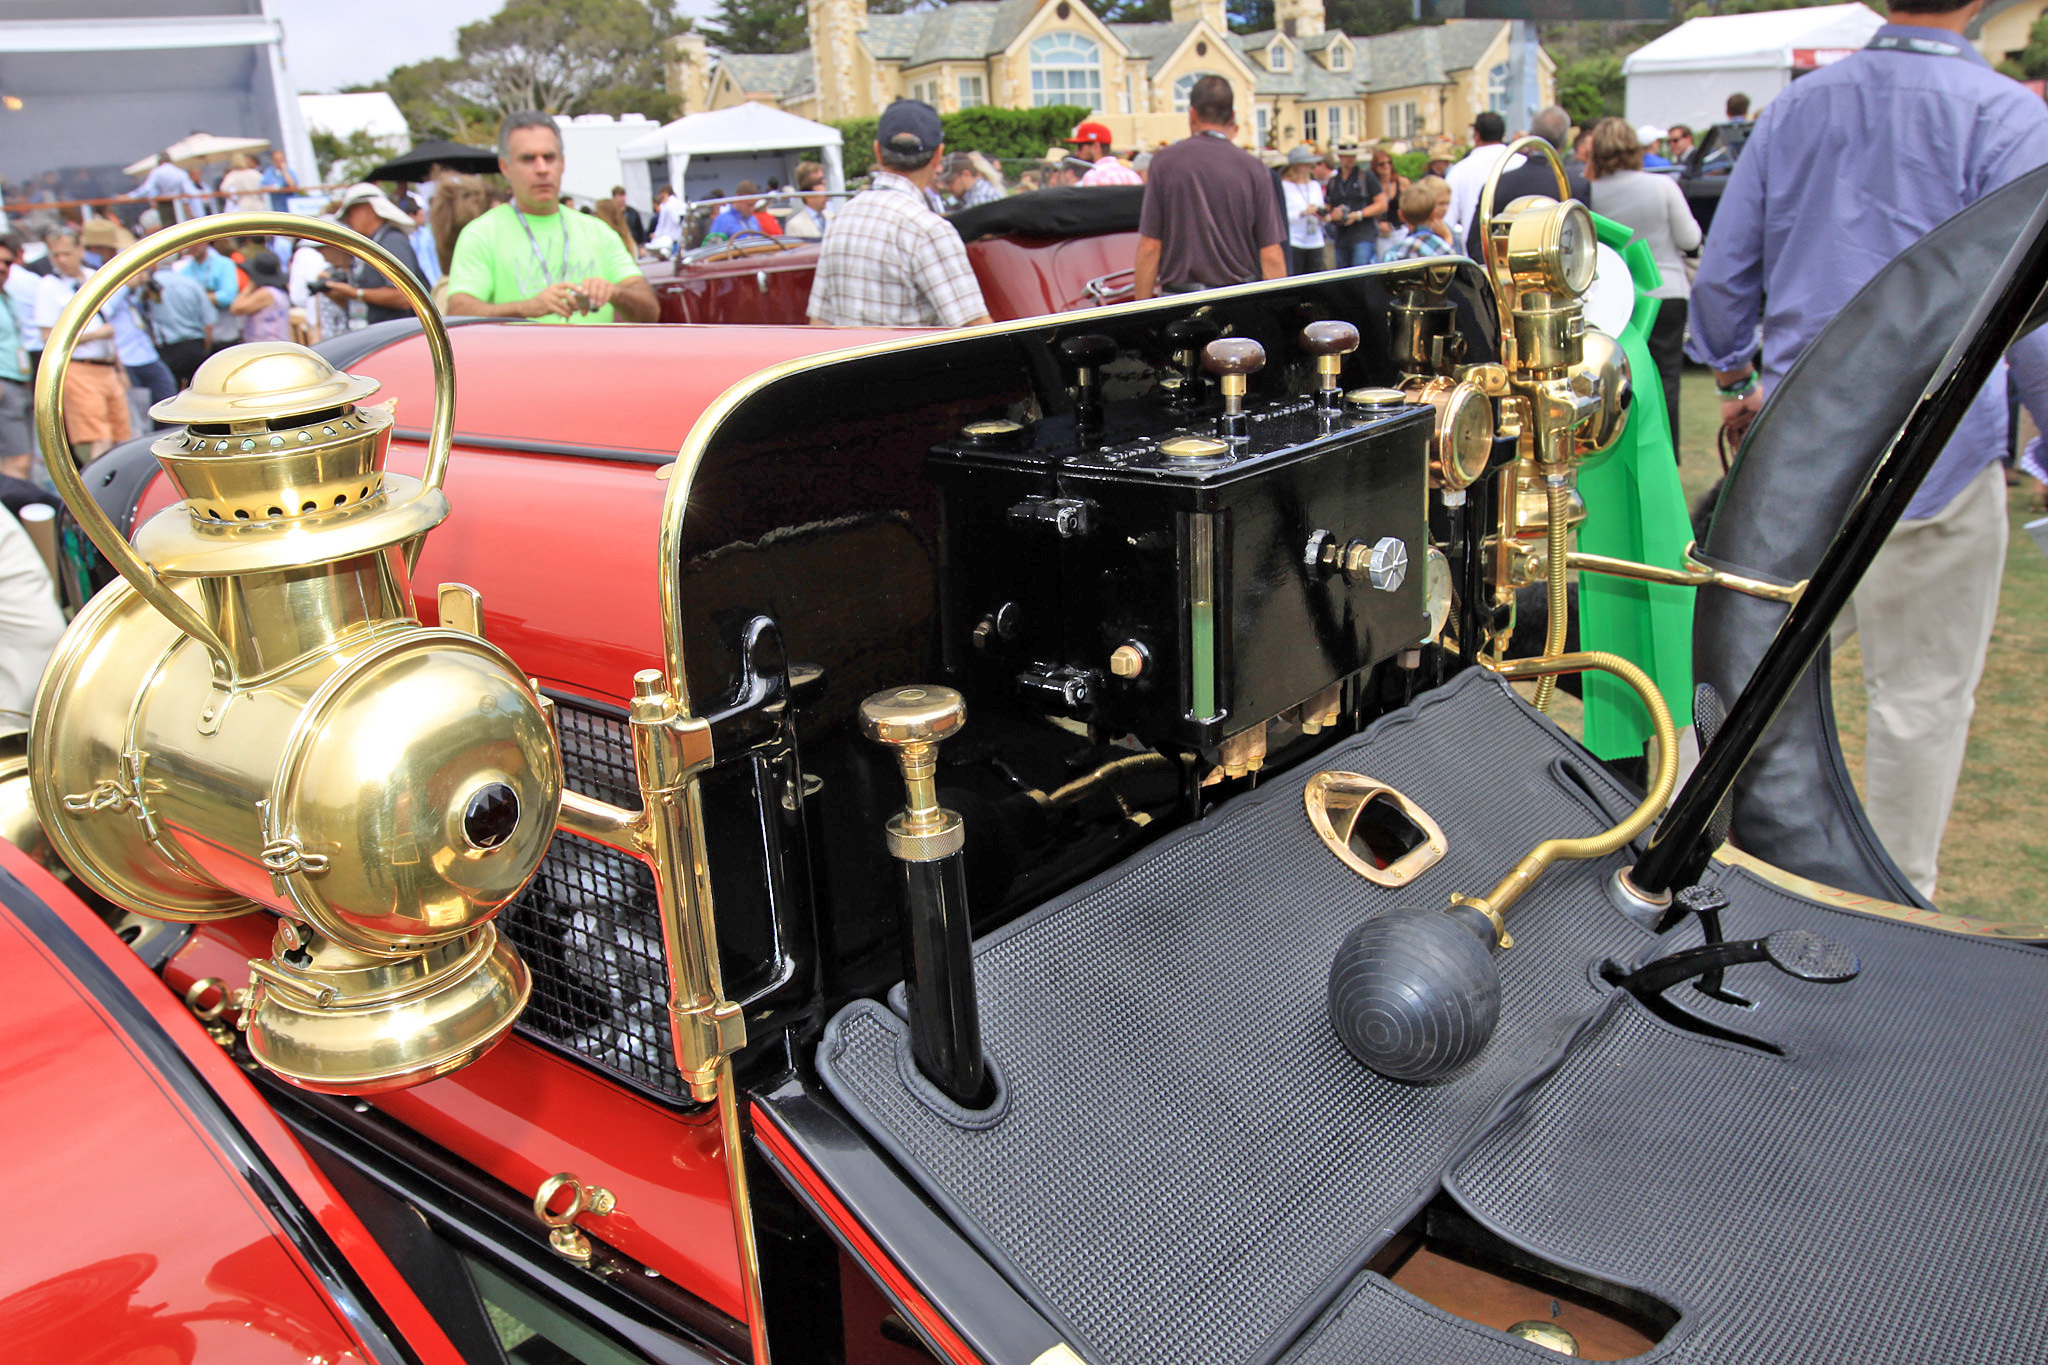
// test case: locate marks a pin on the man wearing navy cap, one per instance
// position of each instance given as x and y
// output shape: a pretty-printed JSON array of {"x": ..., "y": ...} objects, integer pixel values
[{"x": 889, "y": 261}]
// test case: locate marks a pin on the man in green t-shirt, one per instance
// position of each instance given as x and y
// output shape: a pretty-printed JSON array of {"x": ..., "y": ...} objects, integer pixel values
[{"x": 529, "y": 259}]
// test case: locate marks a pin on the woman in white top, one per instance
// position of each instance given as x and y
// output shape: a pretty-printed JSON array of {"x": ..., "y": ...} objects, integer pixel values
[
  {"x": 1655, "y": 207},
  {"x": 243, "y": 186},
  {"x": 1302, "y": 201}
]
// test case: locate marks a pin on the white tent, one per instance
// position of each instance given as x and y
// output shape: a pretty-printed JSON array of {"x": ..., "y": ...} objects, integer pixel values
[
  {"x": 700, "y": 152},
  {"x": 1687, "y": 75},
  {"x": 590, "y": 152}
]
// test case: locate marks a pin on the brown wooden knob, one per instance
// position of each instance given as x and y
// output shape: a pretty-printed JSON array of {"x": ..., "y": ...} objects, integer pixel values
[
  {"x": 1233, "y": 355},
  {"x": 1088, "y": 351},
  {"x": 1329, "y": 338}
]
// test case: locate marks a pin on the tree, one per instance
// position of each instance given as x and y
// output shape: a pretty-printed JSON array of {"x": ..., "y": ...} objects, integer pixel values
[
  {"x": 569, "y": 57},
  {"x": 2031, "y": 63},
  {"x": 758, "y": 26},
  {"x": 1363, "y": 18},
  {"x": 342, "y": 160},
  {"x": 1591, "y": 88},
  {"x": 426, "y": 93}
]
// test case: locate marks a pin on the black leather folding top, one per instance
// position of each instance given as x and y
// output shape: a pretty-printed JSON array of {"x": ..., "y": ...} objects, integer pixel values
[{"x": 1185, "y": 1166}]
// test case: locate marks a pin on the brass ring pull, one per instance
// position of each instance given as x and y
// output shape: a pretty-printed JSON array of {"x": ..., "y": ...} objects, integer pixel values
[
  {"x": 162, "y": 246},
  {"x": 563, "y": 1235}
]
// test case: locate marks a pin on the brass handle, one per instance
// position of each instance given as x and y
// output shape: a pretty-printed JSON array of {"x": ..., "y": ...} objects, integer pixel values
[
  {"x": 162, "y": 246},
  {"x": 1486, "y": 196}
]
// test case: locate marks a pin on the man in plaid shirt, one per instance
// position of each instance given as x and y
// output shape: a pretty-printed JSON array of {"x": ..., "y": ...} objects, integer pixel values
[{"x": 889, "y": 261}]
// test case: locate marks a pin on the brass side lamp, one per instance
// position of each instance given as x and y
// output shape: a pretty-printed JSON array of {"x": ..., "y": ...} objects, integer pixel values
[{"x": 254, "y": 719}]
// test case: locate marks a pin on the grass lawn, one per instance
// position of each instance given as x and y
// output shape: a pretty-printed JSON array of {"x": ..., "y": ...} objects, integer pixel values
[{"x": 1996, "y": 849}]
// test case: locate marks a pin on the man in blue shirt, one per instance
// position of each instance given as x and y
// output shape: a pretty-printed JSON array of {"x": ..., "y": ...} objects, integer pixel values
[
  {"x": 216, "y": 274},
  {"x": 278, "y": 178},
  {"x": 1845, "y": 170},
  {"x": 179, "y": 316}
]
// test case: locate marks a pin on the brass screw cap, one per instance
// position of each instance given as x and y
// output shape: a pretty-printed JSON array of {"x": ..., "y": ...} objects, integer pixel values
[
  {"x": 1546, "y": 1334},
  {"x": 912, "y": 715},
  {"x": 1376, "y": 402},
  {"x": 1193, "y": 448},
  {"x": 1127, "y": 661}
]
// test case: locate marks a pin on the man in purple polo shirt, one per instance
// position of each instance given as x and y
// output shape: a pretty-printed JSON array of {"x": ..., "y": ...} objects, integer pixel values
[{"x": 1847, "y": 169}]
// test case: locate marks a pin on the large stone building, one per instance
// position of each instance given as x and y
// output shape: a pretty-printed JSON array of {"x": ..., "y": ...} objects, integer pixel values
[
  {"x": 2000, "y": 28},
  {"x": 1296, "y": 82}
]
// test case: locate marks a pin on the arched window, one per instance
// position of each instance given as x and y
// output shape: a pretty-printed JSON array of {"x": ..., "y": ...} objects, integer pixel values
[
  {"x": 1066, "y": 69},
  {"x": 1184, "y": 87},
  {"x": 1497, "y": 89}
]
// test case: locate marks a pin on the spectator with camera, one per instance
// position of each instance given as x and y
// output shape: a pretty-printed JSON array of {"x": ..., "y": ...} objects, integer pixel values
[{"x": 364, "y": 209}]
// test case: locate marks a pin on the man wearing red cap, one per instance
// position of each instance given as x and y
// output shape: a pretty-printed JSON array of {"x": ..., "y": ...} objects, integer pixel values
[{"x": 1091, "y": 143}]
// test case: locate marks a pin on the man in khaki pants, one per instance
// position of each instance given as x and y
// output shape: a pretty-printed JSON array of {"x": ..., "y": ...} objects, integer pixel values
[{"x": 1846, "y": 169}]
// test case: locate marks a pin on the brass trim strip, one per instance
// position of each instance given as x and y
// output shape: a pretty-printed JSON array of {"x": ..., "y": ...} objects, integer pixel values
[{"x": 1839, "y": 899}]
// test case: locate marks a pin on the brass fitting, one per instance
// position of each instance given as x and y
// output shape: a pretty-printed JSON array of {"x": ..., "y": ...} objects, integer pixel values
[{"x": 914, "y": 721}]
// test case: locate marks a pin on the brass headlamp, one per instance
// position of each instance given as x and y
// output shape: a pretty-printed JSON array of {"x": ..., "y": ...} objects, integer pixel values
[{"x": 254, "y": 719}]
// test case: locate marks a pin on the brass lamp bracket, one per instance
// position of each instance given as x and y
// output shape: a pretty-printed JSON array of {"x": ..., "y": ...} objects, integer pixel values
[{"x": 564, "y": 1235}]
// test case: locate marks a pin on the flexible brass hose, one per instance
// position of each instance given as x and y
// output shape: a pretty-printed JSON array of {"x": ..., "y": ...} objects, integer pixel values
[
  {"x": 1525, "y": 873},
  {"x": 1557, "y": 497}
]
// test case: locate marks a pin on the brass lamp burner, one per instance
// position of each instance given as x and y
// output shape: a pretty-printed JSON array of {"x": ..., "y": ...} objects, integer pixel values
[{"x": 255, "y": 719}]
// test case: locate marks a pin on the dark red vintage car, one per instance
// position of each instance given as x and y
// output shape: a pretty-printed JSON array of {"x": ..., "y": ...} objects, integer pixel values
[
  {"x": 702, "y": 844},
  {"x": 1053, "y": 251}
]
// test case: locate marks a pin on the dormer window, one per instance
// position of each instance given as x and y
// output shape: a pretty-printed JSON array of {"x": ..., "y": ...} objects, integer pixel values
[
  {"x": 1340, "y": 57},
  {"x": 1276, "y": 57}
]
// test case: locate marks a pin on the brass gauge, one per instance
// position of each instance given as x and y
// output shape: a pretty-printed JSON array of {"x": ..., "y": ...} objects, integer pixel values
[
  {"x": 1551, "y": 246},
  {"x": 1464, "y": 435}
]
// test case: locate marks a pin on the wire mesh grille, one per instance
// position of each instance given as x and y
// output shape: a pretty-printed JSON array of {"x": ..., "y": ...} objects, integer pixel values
[{"x": 587, "y": 926}]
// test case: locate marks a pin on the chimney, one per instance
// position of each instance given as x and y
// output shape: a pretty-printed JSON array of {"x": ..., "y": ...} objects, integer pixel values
[
  {"x": 1186, "y": 11},
  {"x": 835, "y": 27},
  {"x": 689, "y": 72},
  {"x": 1299, "y": 18}
]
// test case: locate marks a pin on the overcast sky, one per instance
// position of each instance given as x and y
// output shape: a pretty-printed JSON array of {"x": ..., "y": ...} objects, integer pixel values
[{"x": 329, "y": 45}]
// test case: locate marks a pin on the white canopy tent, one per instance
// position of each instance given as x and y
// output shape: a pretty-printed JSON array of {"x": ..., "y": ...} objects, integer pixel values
[
  {"x": 1687, "y": 75},
  {"x": 700, "y": 152}
]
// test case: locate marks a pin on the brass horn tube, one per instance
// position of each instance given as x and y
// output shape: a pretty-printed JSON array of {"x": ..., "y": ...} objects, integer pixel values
[
  {"x": 1557, "y": 496},
  {"x": 1537, "y": 860},
  {"x": 162, "y": 246}
]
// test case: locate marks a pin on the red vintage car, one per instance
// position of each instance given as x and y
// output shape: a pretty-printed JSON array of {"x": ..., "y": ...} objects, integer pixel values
[
  {"x": 684, "y": 844},
  {"x": 1052, "y": 251}
]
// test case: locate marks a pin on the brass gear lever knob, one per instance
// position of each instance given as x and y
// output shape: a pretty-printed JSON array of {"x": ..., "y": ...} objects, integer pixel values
[
  {"x": 1329, "y": 342},
  {"x": 913, "y": 721},
  {"x": 937, "y": 941},
  {"x": 1233, "y": 360}
]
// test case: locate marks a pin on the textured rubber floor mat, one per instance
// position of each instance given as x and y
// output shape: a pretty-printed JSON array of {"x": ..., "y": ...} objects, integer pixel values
[
  {"x": 1185, "y": 1165},
  {"x": 1878, "y": 1194}
]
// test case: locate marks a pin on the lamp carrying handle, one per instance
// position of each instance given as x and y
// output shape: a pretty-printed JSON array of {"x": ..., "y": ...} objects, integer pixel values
[
  {"x": 1520, "y": 146},
  {"x": 149, "y": 252}
]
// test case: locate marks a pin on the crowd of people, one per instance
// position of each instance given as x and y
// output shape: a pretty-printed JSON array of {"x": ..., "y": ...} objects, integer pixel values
[{"x": 1793, "y": 225}]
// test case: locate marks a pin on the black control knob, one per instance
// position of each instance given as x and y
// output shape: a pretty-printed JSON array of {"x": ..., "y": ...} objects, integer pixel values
[
  {"x": 1185, "y": 338},
  {"x": 1086, "y": 355}
]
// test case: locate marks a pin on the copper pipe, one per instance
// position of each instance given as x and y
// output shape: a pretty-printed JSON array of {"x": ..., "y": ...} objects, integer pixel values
[{"x": 1695, "y": 574}]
